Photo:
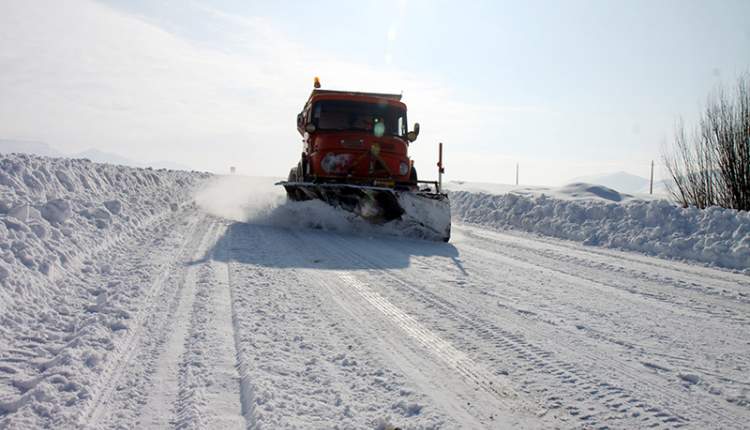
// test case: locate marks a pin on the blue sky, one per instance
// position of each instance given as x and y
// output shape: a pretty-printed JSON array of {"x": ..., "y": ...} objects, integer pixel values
[{"x": 564, "y": 88}]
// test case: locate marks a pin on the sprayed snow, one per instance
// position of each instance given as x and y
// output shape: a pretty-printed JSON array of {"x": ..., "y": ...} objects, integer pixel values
[
  {"x": 714, "y": 236},
  {"x": 257, "y": 200}
]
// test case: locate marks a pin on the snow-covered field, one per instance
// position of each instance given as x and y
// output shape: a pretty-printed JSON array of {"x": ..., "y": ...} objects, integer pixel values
[{"x": 199, "y": 302}]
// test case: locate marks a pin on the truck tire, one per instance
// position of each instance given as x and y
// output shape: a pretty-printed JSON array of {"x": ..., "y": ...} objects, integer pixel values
[{"x": 302, "y": 170}]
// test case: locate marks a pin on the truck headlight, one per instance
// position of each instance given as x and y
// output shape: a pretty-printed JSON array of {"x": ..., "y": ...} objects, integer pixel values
[{"x": 403, "y": 168}]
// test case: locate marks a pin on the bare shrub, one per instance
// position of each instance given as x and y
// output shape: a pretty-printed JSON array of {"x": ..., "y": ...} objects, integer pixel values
[{"x": 711, "y": 166}]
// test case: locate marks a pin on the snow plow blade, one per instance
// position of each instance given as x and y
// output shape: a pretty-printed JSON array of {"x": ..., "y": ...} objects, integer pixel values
[{"x": 420, "y": 213}]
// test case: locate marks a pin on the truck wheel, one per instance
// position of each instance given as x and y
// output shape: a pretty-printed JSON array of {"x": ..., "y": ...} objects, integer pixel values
[
  {"x": 413, "y": 175},
  {"x": 302, "y": 170}
]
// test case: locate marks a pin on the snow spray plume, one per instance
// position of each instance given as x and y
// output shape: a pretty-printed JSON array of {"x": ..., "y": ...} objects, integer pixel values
[
  {"x": 240, "y": 198},
  {"x": 257, "y": 201}
]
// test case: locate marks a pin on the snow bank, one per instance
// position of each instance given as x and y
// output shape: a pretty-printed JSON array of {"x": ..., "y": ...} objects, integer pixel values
[
  {"x": 715, "y": 236},
  {"x": 54, "y": 212},
  {"x": 572, "y": 191}
]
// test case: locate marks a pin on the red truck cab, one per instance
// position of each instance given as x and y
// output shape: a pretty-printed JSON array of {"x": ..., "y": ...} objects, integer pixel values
[{"x": 355, "y": 138}]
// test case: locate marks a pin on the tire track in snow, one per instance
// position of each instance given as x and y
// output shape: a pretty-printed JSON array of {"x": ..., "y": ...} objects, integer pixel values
[
  {"x": 721, "y": 314},
  {"x": 460, "y": 395},
  {"x": 167, "y": 384},
  {"x": 213, "y": 365},
  {"x": 309, "y": 363},
  {"x": 511, "y": 345},
  {"x": 190, "y": 376},
  {"x": 701, "y": 314},
  {"x": 506, "y": 409},
  {"x": 608, "y": 281},
  {"x": 121, "y": 356},
  {"x": 706, "y": 313},
  {"x": 70, "y": 326},
  {"x": 626, "y": 289},
  {"x": 446, "y": 352},
  {"x": 630, "y": 372},
  {"x": 669, "y": 390},
  {"x": 189, "y": 405},
  {"x": 209, "y": 392},
  {"x": 687, "y": 268},
  {"x": 611, "y": 260},
  {"x": 247, "y": 390}
]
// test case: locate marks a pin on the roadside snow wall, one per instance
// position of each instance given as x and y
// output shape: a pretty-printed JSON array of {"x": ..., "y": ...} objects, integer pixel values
[
  {"x": 715, "y": 236},
  {"x": 56, "y": 212}
]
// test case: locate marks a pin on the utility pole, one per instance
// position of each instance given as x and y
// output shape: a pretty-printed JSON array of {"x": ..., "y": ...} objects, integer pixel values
[
  {"x": 441, "y": 169},
  {"x": 516, "y": 173},
  {"x": 651, "y": 187}
]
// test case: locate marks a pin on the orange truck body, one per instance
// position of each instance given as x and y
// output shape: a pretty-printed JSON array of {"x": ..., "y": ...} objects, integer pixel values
[{"x": 344, "y": 146}]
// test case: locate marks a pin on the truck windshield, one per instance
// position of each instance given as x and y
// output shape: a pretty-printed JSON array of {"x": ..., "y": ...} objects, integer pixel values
[{"x": 380, "y": 119}]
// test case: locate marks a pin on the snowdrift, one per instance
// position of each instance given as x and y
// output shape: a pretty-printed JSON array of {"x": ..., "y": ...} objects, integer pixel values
[
  {"x": 715, "y": 236},
  {"x": 55, "y": 212}
]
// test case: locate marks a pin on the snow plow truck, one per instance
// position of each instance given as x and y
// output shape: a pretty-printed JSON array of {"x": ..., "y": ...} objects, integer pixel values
[{"x": 355, "y": 157}]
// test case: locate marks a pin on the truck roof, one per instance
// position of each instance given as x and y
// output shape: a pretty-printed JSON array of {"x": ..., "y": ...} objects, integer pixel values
[{"x": 316, "y": 92}]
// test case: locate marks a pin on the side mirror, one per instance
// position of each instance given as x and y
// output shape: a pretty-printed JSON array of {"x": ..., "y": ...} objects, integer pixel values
[
  {"x": 412, "y": 135},
  {"x": 310, "y": 127}
]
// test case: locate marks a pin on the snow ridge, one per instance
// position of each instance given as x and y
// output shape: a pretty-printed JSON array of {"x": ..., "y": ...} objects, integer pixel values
[
  {"x": 57, "y": 212},
  {"x": 715, "y": 236}
]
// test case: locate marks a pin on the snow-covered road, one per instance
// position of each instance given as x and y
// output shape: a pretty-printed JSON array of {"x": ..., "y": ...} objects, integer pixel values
[
  {"x": 244, "y": 325},
  {"x": 132, "y": 298}
]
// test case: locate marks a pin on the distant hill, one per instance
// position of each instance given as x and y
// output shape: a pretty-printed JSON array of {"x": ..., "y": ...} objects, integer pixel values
[
  {"x": 8, "y": 146},
  {"x": 110, "y": 158},
  {"x": 660, "y": 187},
  {"x": 105, "y": 157},
  {"x": 621, "y": 181}
]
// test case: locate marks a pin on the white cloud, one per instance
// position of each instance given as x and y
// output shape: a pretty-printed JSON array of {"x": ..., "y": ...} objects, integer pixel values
[
  {"x": 79, "y": 74},
  {"x": 392, "y": 34}
]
